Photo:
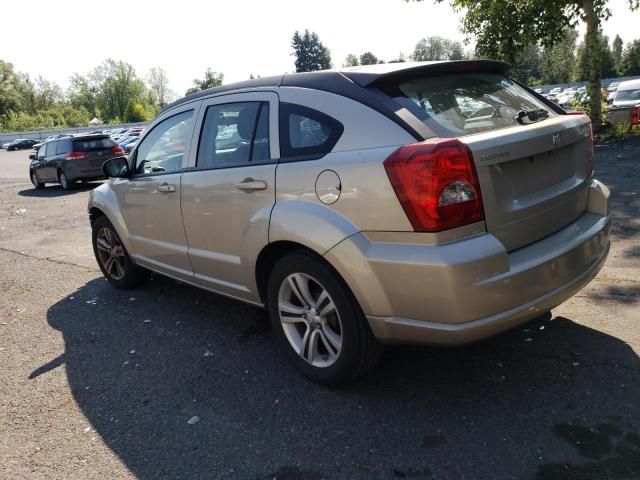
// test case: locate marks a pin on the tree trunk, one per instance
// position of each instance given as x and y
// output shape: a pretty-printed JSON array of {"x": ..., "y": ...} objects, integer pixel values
[{"x": 594, "y": 56}]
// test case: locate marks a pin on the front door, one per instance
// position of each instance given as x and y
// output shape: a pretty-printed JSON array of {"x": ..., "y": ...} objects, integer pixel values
[
  {"x": 151, "y": 196},
  {"x": 229, "y": 190}
]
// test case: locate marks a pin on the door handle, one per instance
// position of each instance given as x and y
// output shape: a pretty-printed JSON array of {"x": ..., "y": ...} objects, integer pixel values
[
  {"x": 250, "y": 185},
  {"x": 166, "y": 188}
]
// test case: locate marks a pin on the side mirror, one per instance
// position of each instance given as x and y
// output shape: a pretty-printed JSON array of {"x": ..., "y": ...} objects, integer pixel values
[
  {"x": 117, "y": 167},
  {"x": 32, "y": 156}
]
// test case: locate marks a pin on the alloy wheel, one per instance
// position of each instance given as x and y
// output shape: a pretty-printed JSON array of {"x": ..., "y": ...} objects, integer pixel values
[
  {"x": 111, "y": 253},
  {"x": 310, "y": 320},
  {"x": 63, "y": 181}
]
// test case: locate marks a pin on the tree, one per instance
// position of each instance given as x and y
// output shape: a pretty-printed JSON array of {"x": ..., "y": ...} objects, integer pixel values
[
  {"x": 310, "y": 54},
  {"x": 527, "y": 65},
  {"x": 135, "y": 112},
  {"x": 616, "y": 52},
  {"x": 351, "y": 61},
  {"x": 437, "y": 48},
  {"x": 630, "y": 64},
  {"x": 502, "y": 28},
  {"x": 401, "y": 58},
  {"x": 581, "y": 71},
  {"x": 10, "y": 98},
  {"x": 211, "y": 79},
  {"x": 158, "y": 82},
  {"x": 368, "y": 58},
  {"x": 557, "y": 63}
]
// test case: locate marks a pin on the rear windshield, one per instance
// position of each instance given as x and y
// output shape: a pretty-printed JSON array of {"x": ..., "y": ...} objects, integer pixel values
[
  {"x": 463, "y": 104},
  {"x": 92, "y": 144}
]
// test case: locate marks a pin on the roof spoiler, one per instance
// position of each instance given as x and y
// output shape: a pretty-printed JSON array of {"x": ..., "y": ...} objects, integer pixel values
[{"x": 368, "y": 77}]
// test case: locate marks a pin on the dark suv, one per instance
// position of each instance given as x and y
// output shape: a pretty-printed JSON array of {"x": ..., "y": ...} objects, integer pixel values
[{"x": 68, "y": 160}]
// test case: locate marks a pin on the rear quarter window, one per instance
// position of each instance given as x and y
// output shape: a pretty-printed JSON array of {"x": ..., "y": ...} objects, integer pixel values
[
  {"x": 305, "y": 133},
  {"x": 464, "y": 104}
]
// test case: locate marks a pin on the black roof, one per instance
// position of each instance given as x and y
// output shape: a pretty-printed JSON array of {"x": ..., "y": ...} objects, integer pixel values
[{"x": 347, "y": 81}]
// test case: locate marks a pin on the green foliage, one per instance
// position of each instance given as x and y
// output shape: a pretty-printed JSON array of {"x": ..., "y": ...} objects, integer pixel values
[
  {"x": 310, "y": 54},
  {"x": 368, "y": 58},
  {"x": 630, "y": 64},
  {"x": 528, "y": 65},
  {"x": 351, "y": 61},
  {"x": 135, "y": 112},
  {"x": 437, "y": 48},
  {"x": 608, "y": 64},
  {"x": 557, "y": 61},
  {"x": 211, "y": 79},
  {"x": 158, "y": 82},
  {"x": 616, "y": 52},
  {"x": 10, "y": 94}
]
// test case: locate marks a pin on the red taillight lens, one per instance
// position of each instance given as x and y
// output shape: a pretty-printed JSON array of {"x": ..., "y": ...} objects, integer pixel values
[
  {"x": 117, "y": 149},
  {"x": 591, "y": 141},
  {"x": 437, "y": 184},
  {"x": 76, "y": 155},
  {"x": 635, "y": 115}
]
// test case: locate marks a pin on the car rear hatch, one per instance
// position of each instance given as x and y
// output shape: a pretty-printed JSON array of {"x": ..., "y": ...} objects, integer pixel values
[
  {"x": 532, "y": 160},
  {"x": 90, "y": 152}
]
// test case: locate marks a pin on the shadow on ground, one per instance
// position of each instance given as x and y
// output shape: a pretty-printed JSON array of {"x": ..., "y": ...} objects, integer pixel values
[
  {"x": 550, "y": 400},
  {"x": 57, "y": 191}
]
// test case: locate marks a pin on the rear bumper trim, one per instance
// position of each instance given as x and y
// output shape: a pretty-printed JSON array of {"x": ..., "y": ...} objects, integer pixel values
[{"x": 410, "y": 331}]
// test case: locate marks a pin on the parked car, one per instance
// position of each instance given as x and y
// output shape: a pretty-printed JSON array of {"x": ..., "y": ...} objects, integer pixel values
[
  {"x": 627, "y": 94},
  {"x": 128, "y": 148},
  {"x": 625, "y": 104},
  {"x": 362, "y": 207},
  {"x": 19, "y": 144},
  {"x": 128, "y": 140},
  {"x": 72, "y": 159}
]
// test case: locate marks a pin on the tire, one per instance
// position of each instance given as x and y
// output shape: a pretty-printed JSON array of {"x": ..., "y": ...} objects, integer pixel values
[
  {"x": 344, "y": 348},
  {"x": 37, "y": 184},
  {"x": 121, "y": 272},
  {"x": 64, "y": 182}
]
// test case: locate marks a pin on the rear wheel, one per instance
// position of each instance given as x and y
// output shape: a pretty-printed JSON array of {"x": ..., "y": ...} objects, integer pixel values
[
  {"x": 113, "y": 258},
  {"x": 36, "y": 183},
  {"x": 318, "y": 322},
  {"x": 64, "y": 181}
]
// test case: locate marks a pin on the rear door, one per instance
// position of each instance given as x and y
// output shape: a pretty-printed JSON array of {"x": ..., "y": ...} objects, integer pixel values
[
  {"x": 533, "y": 163},
  {"x": 229, "y": 190},
  {"x": 50, "y": 165}
]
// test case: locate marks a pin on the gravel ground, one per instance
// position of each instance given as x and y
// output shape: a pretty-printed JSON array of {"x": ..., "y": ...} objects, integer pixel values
[{"x": 99, "y": 383}]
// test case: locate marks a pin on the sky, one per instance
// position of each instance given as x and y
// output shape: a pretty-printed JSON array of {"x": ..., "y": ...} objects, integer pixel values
[{"x": 237, "y": 37}]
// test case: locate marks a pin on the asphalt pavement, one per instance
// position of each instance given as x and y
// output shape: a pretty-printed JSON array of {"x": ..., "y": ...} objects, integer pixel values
[{"x": 98, "y": 383}]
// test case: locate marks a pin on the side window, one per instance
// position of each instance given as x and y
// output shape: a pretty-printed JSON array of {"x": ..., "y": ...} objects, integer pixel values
[
  {"x": 42, "y": 151},
  {"x": 306, "y": 133},
  {"x": 51, "y": 149},
  {"x": 234, "y": 134},
  {"x": 162, "y": 149},
  {"x": 63, "y": 147}
]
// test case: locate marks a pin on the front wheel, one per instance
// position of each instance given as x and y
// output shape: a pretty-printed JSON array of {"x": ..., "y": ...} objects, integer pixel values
[
  {"x": 36, "y": 183},
  {"x": 113, "y": 258},
  {"x": 318, "y": 322}
]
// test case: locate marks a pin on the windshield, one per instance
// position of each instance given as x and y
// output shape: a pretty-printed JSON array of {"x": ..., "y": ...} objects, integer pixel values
[
  {"x": 456, "y": 105},
  {"x": 628, "y": 95}
]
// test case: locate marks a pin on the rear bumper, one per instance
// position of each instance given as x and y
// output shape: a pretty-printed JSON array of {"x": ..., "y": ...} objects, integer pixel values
[{"x": 470, "y": 289}]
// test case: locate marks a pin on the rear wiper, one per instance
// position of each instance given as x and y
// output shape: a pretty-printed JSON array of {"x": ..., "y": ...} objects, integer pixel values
[{"x": 531, "y": 115}]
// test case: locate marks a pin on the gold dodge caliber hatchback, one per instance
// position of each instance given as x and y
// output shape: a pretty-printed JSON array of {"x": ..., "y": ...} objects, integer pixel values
[{"x": 424, "y": 203}]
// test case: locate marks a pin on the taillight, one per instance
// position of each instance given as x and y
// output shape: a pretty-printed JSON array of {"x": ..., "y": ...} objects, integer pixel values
[
  {"x": 76, "y": 155},
  {"x": 117, "y": 149},
  {"x": 591, "y": 142},
  {"x": 437, "y": 184},
  {"x": 635, "y": 115}
]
